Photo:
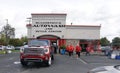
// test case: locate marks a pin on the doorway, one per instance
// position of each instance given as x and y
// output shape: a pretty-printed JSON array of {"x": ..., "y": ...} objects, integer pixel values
[{"x": 83, "y": 46}]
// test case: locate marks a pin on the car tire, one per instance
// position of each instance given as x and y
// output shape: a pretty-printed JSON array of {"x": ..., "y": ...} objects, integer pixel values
[
  {"x": 23, "y": 63},
  {"x": 49, "y": 62}
]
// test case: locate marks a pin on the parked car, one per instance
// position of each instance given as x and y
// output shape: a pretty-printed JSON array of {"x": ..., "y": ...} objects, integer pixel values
[
  {"x": 2, "y": 47},
  {"x": 9, "y": 47},
  {"x": 106, "y": 69},
  {"x": 17, "y": 48},
  {"x": 106, "y": 50},
  {"x": 36, "y": 51}
]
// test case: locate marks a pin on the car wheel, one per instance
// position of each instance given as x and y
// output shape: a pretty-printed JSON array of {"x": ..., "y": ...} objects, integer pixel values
[
  {"x": 24, "y": 63},
  {"x": 49, "y": 62}
]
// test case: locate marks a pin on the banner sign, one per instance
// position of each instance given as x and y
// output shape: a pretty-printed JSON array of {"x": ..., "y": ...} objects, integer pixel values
[{"x": 49, "y": 26}]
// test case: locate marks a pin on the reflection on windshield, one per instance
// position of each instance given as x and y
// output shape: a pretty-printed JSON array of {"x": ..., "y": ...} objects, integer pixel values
[{"x": 38, "y": 43}]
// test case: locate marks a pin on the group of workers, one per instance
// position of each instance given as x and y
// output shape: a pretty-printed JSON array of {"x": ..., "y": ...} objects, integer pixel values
[{"x": 70, "y": 49}]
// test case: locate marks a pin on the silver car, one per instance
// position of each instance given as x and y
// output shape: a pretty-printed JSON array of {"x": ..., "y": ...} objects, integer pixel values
[{"x": 106, "y": 69}]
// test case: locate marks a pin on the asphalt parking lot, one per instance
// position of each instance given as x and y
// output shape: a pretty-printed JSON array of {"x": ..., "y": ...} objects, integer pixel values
[
  {"x": 96, "y": 59},
  {"x": 9, "y": 63}
]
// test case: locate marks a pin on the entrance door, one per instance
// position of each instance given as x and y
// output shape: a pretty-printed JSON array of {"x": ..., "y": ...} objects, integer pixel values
[{"x": 83, "y": 46}]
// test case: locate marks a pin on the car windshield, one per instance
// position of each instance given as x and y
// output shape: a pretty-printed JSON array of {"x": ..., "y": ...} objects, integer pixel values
[
  {"x": 117, "y": 67},
  {"x": 38, "y": 43}
]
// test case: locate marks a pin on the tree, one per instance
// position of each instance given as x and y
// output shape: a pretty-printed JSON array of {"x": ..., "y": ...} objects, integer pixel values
[
  {"x": 18, "y": 42},
  {"x": 24, "y": 39},
  {"x": 15, "y": 42},
  {"x": 2, "y": 40},
  {"x": 116, "y": 42},
  {"x": 9, "y": 32},
  {"x": 104, "y": 41}
]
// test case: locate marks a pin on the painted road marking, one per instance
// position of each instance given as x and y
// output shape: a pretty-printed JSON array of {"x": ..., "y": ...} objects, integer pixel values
[
  {"x": 10, "y": 58},
  {"x": 82, "y": 61},
  {"x": 16, "y": 62}
]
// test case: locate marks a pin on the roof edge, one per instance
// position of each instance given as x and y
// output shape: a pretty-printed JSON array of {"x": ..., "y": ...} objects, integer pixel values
[
  {"x": 48, "y": 13},
  {"x": 83, "y": 25}
]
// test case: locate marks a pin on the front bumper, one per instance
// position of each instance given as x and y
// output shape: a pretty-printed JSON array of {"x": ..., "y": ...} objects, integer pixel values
[{"x": 34, "y": 58}]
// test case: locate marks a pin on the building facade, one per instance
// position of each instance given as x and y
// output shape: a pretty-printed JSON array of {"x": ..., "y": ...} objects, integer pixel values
[{"x": 53, "y": 27}]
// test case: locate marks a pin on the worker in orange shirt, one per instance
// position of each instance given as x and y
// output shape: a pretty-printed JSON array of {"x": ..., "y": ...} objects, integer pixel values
[
  {"x": 78, "y": 50},
  {"x": 71, "y": 49}
]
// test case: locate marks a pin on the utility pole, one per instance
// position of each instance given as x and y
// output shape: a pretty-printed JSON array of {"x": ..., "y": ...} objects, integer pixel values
[
  {"x": 7, "y": 31},
  {"x": 6, "y": 21}
]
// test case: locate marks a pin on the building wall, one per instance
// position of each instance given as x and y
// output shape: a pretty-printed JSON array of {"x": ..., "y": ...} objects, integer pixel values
[
  {"x": 82, "y": 32},
  {"x": 72, "y": 42},
  {"x": 40, "y": 27},
  {"x": 40, "y": 24}
]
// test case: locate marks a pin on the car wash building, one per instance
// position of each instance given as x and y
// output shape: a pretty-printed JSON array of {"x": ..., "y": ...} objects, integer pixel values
[{"x": 53, "y": 26}]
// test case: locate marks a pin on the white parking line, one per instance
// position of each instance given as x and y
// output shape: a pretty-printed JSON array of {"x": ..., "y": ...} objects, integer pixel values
[
  {"x": 10, "y": 58},
  {"x": 17, "y": 62},
  {"x": 82, "y": 61}
]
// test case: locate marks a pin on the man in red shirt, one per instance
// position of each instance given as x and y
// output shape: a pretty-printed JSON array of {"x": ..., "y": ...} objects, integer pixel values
[
  {"x": 78, "y": 50},
  {"x": 70, "y": 50}
]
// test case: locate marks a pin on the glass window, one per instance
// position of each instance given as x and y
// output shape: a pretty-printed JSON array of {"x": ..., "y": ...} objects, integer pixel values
[{"x": 38, "y": 43}]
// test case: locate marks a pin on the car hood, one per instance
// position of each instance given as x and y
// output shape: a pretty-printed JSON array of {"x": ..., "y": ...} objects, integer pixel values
[{"x": 26, "y": 46}]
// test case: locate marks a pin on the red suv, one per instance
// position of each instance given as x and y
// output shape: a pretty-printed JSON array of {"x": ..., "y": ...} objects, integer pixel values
[{"x": 37, "y": 51}]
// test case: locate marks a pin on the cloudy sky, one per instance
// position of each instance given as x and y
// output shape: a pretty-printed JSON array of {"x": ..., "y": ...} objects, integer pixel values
[{"x": 79, "y": 12}]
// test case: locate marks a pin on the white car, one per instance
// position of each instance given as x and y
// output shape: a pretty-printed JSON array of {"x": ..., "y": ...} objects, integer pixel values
[
  {"x": 10, "y": 47},
  {"x": 2, "y": 47},
  {"x": 106, "y": 69}
]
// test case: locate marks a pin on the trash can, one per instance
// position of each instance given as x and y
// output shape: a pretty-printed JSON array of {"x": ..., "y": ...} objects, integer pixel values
[
  {"x": 117, "y": 57},
  {"x": 113, "y": 56},
  {"x": 63, "y": 51}
]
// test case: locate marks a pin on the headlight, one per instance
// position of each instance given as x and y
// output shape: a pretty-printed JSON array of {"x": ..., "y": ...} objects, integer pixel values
[{"x": 46, "y": 50}]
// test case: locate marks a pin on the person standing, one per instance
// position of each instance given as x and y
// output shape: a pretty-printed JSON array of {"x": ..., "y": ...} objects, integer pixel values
[
  {"x": 70, "y": 50},
  {"x": 78, "y": 50},
  {"x": 55, "y": 48},
  {"x": 88, "y": 49}
]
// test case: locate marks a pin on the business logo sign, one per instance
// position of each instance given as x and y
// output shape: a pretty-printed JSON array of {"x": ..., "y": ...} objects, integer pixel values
[{"x": 49, "y": 26}]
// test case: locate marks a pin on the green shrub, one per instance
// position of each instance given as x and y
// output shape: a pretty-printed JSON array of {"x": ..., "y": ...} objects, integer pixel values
[{"x": 63, "y": 47}]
